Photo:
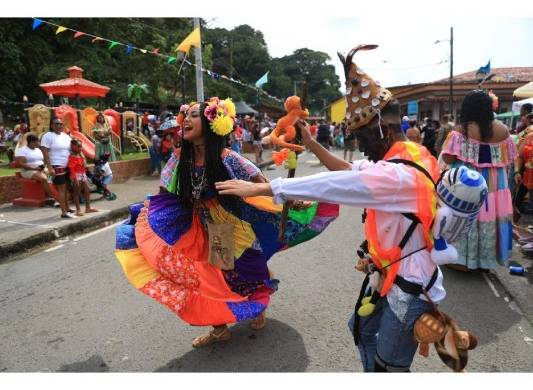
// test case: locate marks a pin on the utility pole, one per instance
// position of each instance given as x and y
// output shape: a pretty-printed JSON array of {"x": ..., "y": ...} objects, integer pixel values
[
  {"x": 199, "y": 66},
  {"x": 450, "y": 105}
]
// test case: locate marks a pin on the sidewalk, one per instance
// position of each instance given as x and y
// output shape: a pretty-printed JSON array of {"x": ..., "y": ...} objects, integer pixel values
[{"x": 24, "y": 229}]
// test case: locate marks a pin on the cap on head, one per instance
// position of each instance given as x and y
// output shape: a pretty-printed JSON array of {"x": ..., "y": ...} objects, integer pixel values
[{"x": 365, "y": 97}]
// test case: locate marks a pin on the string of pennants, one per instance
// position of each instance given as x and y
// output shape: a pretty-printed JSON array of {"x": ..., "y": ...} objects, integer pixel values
[{"x": 128, "y": 49}]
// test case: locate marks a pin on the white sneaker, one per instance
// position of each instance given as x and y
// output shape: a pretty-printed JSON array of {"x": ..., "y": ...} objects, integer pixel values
[
  {"x": 56, "y": 204},
  {"x": 68, "y": 215}
]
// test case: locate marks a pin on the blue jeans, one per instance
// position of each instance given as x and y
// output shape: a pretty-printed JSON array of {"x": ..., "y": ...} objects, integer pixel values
[
  {"x": 387, "y": 336},
  {"x": 155, "y": 160}
]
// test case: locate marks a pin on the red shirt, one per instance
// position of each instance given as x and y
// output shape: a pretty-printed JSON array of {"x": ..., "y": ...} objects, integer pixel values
[
  {"x": 76, "y": 164},
  {"x": 166, "y": 145}
]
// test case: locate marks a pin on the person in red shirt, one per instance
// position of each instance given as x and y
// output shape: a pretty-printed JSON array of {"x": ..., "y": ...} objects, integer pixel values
[
  {"x": 167, "y": 145},
  {"x": 78, "y": 178},
  {"x": 313, "y": 128}
]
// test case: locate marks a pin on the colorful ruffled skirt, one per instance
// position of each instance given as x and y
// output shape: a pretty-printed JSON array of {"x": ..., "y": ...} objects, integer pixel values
[{"x": 163, "y": 250}]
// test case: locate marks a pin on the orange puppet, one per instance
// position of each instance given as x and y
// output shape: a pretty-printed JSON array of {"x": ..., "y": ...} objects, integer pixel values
[{"x": 285, "y": 133}]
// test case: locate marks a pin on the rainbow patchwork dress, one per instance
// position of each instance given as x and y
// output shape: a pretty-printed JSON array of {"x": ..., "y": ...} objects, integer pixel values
[
  {"x": 163, "y": 248},
  {"x": 490, "y": 242}
]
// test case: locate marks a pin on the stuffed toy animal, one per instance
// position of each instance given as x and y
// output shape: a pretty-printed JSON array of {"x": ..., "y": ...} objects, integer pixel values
[{"x": 285, "y": 132}]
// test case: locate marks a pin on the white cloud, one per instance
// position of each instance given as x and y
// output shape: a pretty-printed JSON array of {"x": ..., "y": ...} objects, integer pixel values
[{"x": 405, "y": 45}]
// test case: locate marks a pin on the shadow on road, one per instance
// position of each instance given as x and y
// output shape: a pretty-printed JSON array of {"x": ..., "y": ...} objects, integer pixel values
[
  {"x": 94, "y": 364},
  {"x": 276, "y": 348}
]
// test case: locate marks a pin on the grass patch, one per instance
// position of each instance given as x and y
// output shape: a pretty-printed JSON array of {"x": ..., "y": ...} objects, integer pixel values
[
  {"x": 133, "y": 156},
  {"x": 6, "y": 171}
]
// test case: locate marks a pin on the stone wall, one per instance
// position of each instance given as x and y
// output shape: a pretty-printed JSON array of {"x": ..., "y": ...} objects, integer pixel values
[{"x": 10, "y": 187}]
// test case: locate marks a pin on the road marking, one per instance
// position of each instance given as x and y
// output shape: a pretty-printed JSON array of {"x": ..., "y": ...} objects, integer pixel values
[
  {"x": 55, "y": 248},
  {"x": 82, "y": 237},
  {"x": 491, "y": 285},
  {"x": 28, "y": 224}
]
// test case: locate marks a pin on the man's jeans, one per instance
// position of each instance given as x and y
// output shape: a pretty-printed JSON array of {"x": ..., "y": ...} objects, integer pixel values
[
  {"x": 389, "y": 336},
  {"x": 155, "y": 160}
]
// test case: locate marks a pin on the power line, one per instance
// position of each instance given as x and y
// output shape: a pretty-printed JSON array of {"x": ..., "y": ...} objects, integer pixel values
[{"x": 408, "y": 67}]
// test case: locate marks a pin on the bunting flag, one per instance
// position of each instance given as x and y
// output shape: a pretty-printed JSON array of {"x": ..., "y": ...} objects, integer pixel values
[
  {"x": 484, "y": 69},
  {"x": 263, "y": 80},
  {"x": 36, "y": 23},
  {"x": 193, "y": 39},
  {"x": 60, "y": 29}
]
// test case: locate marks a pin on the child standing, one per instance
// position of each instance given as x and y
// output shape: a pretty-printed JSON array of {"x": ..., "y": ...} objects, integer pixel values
[{"x": 78, "y": 178}]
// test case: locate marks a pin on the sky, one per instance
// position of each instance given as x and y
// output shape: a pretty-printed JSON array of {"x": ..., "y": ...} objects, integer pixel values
[
  {"x": 404, "y": 30},
  {"x": 407, "y": 52}
]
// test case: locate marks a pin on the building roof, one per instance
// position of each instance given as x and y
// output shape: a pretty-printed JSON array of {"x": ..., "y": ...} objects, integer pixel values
[
  {"x": 75, "y": 85},
  {"x": 508, "y": 75}
]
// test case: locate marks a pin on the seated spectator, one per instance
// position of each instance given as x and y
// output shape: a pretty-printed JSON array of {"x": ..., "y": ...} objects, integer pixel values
[{"x": 30, "y": 159}]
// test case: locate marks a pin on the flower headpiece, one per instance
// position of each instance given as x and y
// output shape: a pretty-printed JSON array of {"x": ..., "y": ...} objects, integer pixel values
[
  {"x": 183, "y": 111},
  {"x": 221, "y": 115}
]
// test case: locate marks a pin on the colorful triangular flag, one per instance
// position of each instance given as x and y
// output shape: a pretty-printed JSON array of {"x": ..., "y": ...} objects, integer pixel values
[
  {"x": 112, "y": 44},
  {"x": 60, "y": 29},
  {"x": 263, "y": 80},
  {"x": 156, "y": 50},
  {"x": 171, "y": 60},
  {"x": 78, "y": 34},
  {"x": 36, "y": 23},
  {"x": 193, "y": 39},
  {"x": 143, "y": 51},
  {"x": 129, "y": 49},
  {"x": 97, "y": 39}
]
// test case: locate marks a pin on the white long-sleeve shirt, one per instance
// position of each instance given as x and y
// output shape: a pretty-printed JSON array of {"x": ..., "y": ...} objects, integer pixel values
[{"x": 388, "y": 188}]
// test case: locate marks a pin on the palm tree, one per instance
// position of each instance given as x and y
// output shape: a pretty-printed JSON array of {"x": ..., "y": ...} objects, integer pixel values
[{"x": 136, "y": 90}]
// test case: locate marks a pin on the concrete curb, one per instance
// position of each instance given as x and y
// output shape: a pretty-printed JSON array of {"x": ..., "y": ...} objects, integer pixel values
[{"x": 32, "y": 242}]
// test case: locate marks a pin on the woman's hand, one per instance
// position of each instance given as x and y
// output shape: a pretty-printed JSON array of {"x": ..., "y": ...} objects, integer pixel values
[{"x": 243, "y": 188}]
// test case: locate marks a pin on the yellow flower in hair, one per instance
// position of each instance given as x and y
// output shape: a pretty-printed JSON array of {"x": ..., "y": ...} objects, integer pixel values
[
  {"x": 230, "y": 107},
  {"x": 222, "y": 125}
]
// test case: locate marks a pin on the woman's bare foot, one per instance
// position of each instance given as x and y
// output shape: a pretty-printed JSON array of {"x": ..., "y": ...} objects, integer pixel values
[
  {"x": 259, "y": 322},
  {"x": 79, "y": 214},
  {"x": 91, "y": 210},
  {"x": 216, "y": 335}
]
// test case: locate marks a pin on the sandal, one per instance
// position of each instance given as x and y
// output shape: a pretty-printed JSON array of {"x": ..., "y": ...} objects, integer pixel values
[
  {"x": 211, "y": 337},
  {"x": 258, "y": 322}
]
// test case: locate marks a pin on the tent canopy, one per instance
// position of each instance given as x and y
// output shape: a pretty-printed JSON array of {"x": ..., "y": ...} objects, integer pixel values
[
  {"x": 244, "y": 109},
  {"x": 525, "y": 91},
  {"x": 517, "y": 105},
  {"x": 75, "y": 85}
]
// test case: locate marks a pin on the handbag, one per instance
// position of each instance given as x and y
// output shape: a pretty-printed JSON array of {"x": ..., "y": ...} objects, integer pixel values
[{"x": 221, "y": 245}]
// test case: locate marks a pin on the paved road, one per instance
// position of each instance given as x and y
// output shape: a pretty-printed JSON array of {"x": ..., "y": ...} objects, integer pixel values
[{"x": 70, "y": 309}]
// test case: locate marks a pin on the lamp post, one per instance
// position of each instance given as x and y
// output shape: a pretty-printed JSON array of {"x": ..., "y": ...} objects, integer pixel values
[
  {"x": 450, "y": 103},
  {"x": 295, "y": 89}
]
